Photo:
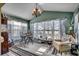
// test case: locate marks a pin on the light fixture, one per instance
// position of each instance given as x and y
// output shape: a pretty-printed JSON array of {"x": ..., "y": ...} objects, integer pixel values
[
  {"x": 70, "y": 28},
  {"x": 37, "y": 10}
]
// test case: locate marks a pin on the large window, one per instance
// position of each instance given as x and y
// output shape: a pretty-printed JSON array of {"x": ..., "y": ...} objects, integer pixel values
[
  {"x": 76, "y": 28},
  {"x": 53, "y": 28},
  {"x": 56, "y": 29},
  {"x": 78, "y": 32},
  {"x": 15, "y": 29}
]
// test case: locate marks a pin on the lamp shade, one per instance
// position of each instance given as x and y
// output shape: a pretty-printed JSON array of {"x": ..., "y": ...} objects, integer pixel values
[
  {"x": 70, "y": 28},
  {"x": 36, "y": 12}
]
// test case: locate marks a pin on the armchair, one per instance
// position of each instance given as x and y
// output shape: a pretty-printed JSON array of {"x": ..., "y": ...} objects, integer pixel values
[{"x": 61, "y": 47}]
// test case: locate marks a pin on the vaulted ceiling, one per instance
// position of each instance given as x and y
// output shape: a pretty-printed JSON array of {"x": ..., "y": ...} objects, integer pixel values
[{"x": 24, "y": 10}]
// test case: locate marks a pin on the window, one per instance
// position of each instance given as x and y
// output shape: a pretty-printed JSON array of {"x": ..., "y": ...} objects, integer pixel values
[
  {"x": 56, "y": 24},
  {"x": 56, "y": 29},
  {"x": 47, "y": 28},
  {"x": 15, "y": 29},
  {"x": 78, "y": 32}
]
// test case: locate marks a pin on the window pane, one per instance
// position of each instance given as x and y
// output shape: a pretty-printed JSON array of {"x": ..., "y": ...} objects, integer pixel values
[
  {"x": 56, "y": 34},
  {"x": 46, "y": 25},
  {"x": 50, "y": 25},
  {"x": 35, "y": 34},
  {"x": 50, "y": 33},
  {"x": 41, "y": 26},
  {"x": 35, "y": 26},
  {"x": 56, "y": 25}
]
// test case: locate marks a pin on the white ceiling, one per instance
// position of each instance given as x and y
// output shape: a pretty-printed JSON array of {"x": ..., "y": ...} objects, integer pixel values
[
  {"x": 24, "y": 10},
  {"x": 66, "y": 7}
]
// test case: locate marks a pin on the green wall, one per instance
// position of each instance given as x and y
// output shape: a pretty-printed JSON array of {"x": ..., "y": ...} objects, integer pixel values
[
  {"x": 47, "y": 16},
  {"x": 52, "y": 15}
]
